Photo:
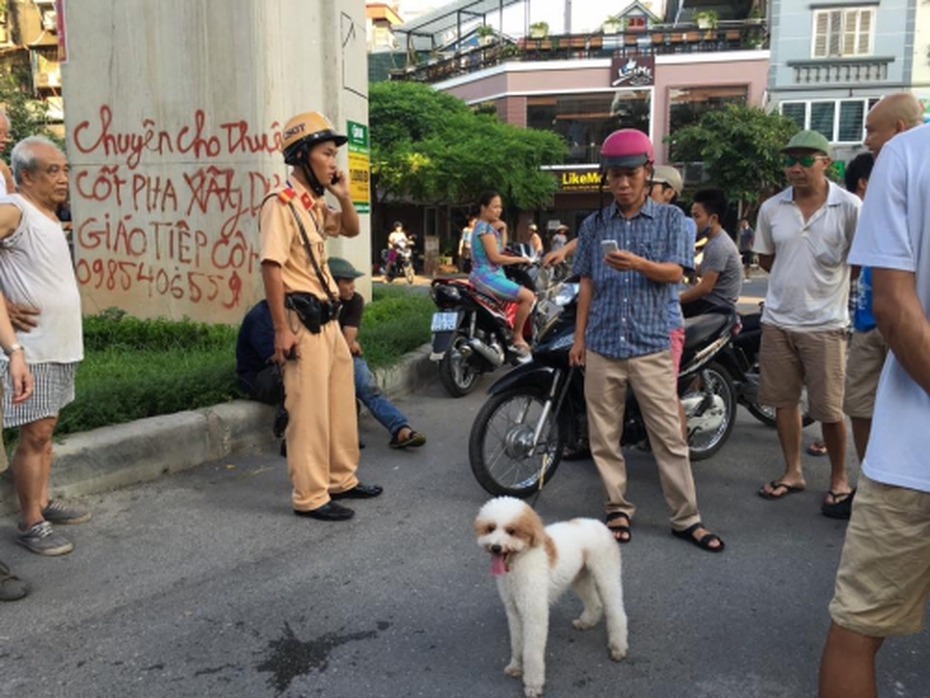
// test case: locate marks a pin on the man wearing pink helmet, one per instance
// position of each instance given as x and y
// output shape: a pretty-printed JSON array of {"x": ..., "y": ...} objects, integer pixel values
[{"x": 628, "y": 256}]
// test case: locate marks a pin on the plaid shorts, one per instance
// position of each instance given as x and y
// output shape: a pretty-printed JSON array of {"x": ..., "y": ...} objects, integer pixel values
[{"x": 54, "y": 388}]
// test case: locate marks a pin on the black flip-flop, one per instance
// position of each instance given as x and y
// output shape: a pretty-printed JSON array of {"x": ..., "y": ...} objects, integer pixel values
[
  {"x": 622, "y": 529},
  {"x": 414, "y": 440},
  {"x": 774, "y": 485},
  {"x": 704, "y": 542},
  {"x": 840, "y": 508}
]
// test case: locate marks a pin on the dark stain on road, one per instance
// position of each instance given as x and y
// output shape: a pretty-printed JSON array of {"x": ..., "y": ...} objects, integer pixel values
[{"x": 290, "y": 657}]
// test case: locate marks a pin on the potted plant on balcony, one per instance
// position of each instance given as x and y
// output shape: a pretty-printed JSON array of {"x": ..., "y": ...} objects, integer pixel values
[
  {"x": 755, "y": 15},
  {"x": 707, "y": 19},
  {"x": 613, "y": 25},
  {"x": 485, "y": 34},
  {"x": 539, "y": 30}
]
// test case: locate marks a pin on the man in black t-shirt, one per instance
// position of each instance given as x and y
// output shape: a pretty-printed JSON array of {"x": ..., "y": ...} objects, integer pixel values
[{"x": 366, "y": 390}]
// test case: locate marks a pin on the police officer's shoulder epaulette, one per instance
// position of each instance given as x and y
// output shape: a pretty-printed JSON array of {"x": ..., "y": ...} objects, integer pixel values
[{"x": 286, "y": 195}]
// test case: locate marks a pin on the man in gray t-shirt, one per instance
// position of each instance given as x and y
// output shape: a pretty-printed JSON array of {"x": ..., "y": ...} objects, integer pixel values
[{"x": 720, "y": 270}]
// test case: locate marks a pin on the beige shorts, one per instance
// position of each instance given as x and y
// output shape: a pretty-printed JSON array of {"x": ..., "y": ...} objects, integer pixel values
[
  {"x": 867, "y": 352},
  {"x": 883, "y": 580},
  {"x": 790, "y": 360}
]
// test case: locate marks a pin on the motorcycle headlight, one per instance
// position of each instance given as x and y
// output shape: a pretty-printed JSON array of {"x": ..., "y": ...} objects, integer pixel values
[{"x": 566, "y": 294}]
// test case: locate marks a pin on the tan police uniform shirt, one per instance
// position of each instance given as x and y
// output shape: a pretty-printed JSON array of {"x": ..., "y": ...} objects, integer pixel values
[{"x": 281, "y": 242}]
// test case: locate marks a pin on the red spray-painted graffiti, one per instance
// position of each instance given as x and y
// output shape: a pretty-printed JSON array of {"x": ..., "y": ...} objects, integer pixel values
[{"x": 171, "y": 212}]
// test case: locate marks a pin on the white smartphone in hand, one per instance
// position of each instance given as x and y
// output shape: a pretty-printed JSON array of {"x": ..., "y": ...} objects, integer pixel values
[{"x": 608, "y": 246}]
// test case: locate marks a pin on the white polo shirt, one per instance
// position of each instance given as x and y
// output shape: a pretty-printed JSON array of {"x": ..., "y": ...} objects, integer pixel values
[
  {"x": 894, "y": 233},
  {"x": 809, "y": 281}
]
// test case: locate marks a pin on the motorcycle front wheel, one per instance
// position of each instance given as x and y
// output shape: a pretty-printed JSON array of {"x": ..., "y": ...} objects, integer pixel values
[
  {"x": 718, "y": 385},
  {"x": 500, "y": 446},
  {"x": 455, "y": 374}
]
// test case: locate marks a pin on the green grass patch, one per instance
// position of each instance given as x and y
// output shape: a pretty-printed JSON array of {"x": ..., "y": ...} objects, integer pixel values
[{"x": 136, "y": 368}]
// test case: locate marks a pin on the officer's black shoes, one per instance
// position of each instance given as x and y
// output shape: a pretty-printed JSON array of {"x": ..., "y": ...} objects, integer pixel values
[
  {"x": 360, "y": 491},
  {"x": 328, "y": 512}
]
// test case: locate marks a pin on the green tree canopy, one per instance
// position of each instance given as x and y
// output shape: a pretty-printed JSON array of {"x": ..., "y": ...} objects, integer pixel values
[
  {"x": 432, "y": 147},
  {"x": 27, "y": 116},
  {"x": 739, "y": 147}
]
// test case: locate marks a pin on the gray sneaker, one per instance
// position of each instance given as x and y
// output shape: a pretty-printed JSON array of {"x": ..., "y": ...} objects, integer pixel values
[
  {"x": 43, "y": 540},
  {"x": 57, "y": 513},
  {"x": 12, "y": 588}
]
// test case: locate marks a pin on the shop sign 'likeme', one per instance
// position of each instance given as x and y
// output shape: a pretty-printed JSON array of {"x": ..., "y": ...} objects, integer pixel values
[
  {"x": 579, "y": 180},
  {"x": 633, "y": 72}
]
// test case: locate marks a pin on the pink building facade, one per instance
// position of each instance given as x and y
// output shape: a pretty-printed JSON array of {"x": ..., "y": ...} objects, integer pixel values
[{"x": 584, "y": 99}]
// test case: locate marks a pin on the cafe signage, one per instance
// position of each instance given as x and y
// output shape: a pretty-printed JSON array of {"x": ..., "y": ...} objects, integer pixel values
[
  {"x": 632, "y": 71},
  {"x": 578, "y": 180}
]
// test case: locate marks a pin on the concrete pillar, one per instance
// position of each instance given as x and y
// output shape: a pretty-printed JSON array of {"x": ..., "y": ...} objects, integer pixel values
[{"x": 173, "y": 115}]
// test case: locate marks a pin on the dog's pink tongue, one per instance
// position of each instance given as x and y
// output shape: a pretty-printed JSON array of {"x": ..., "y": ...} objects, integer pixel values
[{"x": 497, "y": 565}]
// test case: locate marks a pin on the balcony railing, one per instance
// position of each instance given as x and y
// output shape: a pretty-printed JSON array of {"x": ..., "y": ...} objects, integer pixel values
[
  {"x": 841, "y": 71},
  {"x": 682, "y": 38}
]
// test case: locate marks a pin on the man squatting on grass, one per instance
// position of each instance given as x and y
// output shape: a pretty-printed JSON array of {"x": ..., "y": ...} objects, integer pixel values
[{"x": 36, "y": 271}]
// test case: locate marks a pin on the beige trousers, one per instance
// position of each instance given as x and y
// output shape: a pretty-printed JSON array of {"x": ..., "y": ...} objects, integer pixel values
[
  {"x": 653, "y": 381},
  {"x": 322, "y": 431}
]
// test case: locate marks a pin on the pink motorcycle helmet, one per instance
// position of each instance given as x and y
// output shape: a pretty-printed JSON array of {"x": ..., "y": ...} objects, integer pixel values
[{"x": 628, "y": 147}]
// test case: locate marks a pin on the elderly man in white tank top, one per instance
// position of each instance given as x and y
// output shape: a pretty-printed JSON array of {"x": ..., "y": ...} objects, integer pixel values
[{"x": 36, "y": 271}]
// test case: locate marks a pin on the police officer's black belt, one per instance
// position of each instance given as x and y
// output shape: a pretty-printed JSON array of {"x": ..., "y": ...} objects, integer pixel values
[{"x": 313, "y": 312}]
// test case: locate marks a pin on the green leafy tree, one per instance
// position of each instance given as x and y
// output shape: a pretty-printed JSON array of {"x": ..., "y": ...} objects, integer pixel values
[
  {"x": 739, "y": 147},
  {"x": 27, "y": 116},
  {"x": 431, "y": 147}
]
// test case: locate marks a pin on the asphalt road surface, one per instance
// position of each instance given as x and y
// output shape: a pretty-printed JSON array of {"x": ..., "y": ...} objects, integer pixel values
[{"x": 205, "y": 584}]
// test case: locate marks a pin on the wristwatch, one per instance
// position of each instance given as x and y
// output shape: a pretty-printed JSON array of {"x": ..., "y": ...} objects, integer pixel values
[{"x": 16, "y": 346}]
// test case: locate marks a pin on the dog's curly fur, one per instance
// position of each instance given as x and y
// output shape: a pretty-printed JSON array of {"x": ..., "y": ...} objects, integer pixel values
[{"x": 535, "y": 565}]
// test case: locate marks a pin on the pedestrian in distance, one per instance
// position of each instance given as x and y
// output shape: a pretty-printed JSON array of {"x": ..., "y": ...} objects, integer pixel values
[
  {"x": 746, "y": 238},
  {"x": 629, "y": 257},
  {"x": 295, "y": 221},
  {"x": 535, "y": 241},
  {"x": 366, "y": 389},
  {"x": 488, "y": 261},
  {"x": 560, "y": 239},
  {"x": 36, "y": 271},
  {"x": 882, "y": 584},
  {"x": 803, "y": 235},
  {"x": 464, "y": 249}
]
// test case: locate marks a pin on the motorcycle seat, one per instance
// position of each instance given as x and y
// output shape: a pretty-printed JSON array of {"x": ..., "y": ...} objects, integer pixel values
[{"x": 701, "y": 329}]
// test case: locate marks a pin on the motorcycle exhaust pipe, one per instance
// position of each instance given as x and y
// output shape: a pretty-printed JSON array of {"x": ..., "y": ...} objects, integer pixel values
[{"x": 494, "y": 357}]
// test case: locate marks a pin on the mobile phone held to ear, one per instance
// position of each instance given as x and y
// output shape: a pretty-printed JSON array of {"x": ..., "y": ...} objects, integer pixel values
[
  {"x": 335, "y": 179},
  {"x": 608, "y": 246}
]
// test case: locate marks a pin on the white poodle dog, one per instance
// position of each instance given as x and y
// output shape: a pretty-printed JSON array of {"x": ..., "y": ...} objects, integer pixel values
[{"x": 535, "y": 565}]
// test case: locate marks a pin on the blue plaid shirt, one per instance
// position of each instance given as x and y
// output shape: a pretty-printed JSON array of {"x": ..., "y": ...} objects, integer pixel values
[{"x": 629, "y": 313}]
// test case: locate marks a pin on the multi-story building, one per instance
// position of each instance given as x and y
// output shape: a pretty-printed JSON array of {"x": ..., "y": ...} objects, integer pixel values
[
  {"x": 29, "y": 44},
  {"x": 833, "y": 59},
  {"x": 637, "y": 70}
]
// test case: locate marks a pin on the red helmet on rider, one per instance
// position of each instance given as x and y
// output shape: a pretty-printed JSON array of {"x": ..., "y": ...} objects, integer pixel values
[{"x": 628, "y": 147}]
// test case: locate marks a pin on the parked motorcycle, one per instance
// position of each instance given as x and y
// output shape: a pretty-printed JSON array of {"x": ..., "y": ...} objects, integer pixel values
[
  {"x": 473, "y": 332},
  {"x": 536, "y": 412},
  {"x": 402, "y": 266}
]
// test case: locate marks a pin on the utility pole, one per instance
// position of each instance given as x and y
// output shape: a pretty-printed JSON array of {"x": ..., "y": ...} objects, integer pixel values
[{"x": 568, "y": 16}]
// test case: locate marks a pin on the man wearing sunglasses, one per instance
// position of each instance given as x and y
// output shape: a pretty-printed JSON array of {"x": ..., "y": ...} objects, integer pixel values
[{"x": 803, "y": 236}]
